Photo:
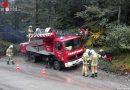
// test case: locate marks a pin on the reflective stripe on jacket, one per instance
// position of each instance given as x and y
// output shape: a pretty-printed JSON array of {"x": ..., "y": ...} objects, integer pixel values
[
  {"x": 94, "y": 61},
  {"x": 85, "y": 58},
  {"x": 9, "y": 52}
]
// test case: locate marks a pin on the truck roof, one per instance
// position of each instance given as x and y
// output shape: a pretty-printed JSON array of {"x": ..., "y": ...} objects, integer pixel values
[{"x": 65, "y": 38}]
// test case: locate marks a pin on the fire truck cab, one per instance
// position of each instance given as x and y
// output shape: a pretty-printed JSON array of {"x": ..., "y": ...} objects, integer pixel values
[{"x": 63, "y": 51}]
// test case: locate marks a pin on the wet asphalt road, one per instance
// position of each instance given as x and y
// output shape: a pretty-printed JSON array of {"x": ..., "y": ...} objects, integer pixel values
[{"x": 30, "y": 78}]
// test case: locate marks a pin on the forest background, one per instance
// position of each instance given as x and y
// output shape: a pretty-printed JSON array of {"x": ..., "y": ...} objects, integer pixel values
[{"x": 109, "y": 20}]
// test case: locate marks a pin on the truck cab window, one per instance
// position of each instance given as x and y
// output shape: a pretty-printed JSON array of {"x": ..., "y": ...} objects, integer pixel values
[
  {"x": 58, "y": 45},
  {"x": 73, "y": 44}
]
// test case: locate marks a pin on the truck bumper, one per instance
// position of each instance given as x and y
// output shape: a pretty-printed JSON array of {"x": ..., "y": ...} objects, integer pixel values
[{"x": 73, "y": 63}]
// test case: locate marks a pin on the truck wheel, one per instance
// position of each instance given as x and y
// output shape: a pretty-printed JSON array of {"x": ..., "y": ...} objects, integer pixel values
[{"x": 57, "y": 65}]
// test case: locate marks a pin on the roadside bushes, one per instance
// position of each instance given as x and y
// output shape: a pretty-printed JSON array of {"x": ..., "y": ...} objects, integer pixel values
[
  {"x": 4, "y": 45},
  {"x": 118, "y": 36}
]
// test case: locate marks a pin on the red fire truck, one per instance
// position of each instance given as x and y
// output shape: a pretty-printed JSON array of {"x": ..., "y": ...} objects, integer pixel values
[{"x": 63, "y": 51}]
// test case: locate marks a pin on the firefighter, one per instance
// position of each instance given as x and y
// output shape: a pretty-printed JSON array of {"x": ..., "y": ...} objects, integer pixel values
[
  {"x": 84, "y": 32},
  {"x": 9, "y": 53},
  {"x": 30, "y": 33},
  {"x": 94, "y": 63},
  {"x": 102, "y": 53},
  {"x": 105, "y": 55},
  {"x": 86, "y": 59}
]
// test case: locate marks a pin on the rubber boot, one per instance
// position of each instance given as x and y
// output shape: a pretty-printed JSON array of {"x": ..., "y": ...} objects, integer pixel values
[
  {"x": 86, "y": 75},
  {"x": 47, "y": 66},
  {"x": 96, "y": 74},
  {"x": 83, "y": 74},
  {"x": 8, "y": 62},
  {"x": 13, "y": 62},
  {"x": 92, "y": 75}
]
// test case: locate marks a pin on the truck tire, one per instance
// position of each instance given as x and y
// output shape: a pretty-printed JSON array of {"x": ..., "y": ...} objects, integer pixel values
[{"x": 57, "y": 65}]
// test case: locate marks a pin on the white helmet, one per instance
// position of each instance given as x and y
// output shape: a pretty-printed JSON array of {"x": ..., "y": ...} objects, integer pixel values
[
  {"x": 101, "y": 50},
  {"x": 93, "y": 52},
  {"x": 11, "y": 46},
  {"x": 30, "y": 26},
  {"x": 87, "y": 50}
]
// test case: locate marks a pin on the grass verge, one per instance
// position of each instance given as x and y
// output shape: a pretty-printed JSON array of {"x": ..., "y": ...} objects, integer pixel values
[{"x": 119, "y": 65}]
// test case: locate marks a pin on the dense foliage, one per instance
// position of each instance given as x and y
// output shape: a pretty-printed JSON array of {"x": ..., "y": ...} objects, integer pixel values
[
  {"x": 109, "y": 17},
  {"x": 107, "y": 20}
]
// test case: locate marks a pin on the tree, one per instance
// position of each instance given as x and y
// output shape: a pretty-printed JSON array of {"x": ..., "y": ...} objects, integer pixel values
[
  {"x": 118, "y": 36},
  {"x": 59, "y": 13}
]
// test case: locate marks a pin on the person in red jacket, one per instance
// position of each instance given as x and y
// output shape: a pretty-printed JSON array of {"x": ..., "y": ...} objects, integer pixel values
[
  {"x": 105, "y": 55},
  {"x": 84, "y": 32}
]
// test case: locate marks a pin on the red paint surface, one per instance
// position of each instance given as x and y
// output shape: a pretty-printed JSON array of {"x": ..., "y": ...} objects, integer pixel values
[{"x": 49, "y": 45}]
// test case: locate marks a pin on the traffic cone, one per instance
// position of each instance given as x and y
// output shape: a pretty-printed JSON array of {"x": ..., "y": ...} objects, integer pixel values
[
  {"x": 43, "y": 72},
  {"x": 17, "y": 68}
]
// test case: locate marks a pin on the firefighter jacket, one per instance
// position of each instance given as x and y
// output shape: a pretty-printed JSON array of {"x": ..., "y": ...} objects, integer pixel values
[
  {"x": 9, "y": 52},
  {"x": 94, "y": 58},
  {"x": 86, "y": 58},
  {"x": 30, "y": 31}
]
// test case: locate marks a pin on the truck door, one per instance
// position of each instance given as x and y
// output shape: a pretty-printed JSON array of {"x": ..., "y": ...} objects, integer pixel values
[{"x": 59, "y": 51}]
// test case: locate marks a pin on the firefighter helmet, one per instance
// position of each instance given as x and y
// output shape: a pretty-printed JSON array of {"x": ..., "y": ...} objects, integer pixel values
[{"x": 11, "y": 46}]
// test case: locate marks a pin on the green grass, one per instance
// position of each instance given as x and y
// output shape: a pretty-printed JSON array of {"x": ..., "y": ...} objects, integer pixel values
[{"x": 121, "y": 62}]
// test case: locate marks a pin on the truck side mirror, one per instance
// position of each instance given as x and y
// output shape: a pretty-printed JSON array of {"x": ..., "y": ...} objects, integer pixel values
[{"x": 58, "y": 45}]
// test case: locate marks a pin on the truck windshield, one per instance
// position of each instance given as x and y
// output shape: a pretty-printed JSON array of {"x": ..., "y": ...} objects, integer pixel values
[{"x": 73, "y": 44}]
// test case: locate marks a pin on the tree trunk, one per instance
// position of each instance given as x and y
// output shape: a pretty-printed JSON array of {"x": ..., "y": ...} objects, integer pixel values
[
  {"x": 119, "y": 15},
  {"x": 36, "y": 18},
  {"x": 119, "y": 12}
]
